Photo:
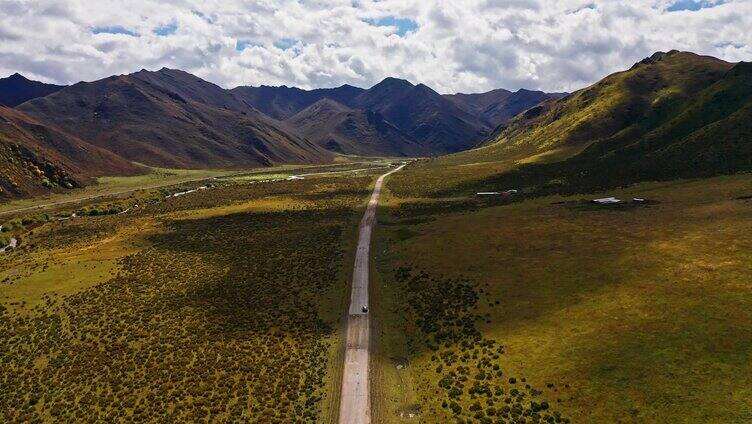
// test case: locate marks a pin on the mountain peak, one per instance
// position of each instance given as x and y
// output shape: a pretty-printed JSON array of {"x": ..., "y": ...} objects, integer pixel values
[
  {"x": 18, "y": 77},
  {"x": 16, "y": 89},
  {"x": 425, "y": 87},
  {"x": 741, "y": 68},
  {"x": 393, "y": 82},
  {"x": 386, "y": 89},
  {"x": 661, "y": 56}
]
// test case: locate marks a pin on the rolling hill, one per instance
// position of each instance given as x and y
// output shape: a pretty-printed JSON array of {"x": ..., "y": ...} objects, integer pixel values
[
  {"x": 17, "y": 89},
  {"x": 671, "y": 115},
  {"x": 170, "y": 118},
  {"x": 35, "y": 158}
]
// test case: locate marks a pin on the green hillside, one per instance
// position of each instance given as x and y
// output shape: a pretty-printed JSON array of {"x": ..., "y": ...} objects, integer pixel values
[{"x": 671, "y": 115}]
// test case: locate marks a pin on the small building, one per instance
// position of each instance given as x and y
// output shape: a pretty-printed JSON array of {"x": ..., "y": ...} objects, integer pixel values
[{"x": 606, "y": 201}]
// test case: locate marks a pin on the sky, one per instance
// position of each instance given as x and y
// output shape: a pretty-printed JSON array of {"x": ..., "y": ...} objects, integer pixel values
[{"x": 449, "y": 45}]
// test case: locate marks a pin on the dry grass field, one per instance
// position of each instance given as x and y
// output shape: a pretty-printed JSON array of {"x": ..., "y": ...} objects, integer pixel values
[
  {"x": 221, "y": 305},
  {"x": 607, "y": 314}
]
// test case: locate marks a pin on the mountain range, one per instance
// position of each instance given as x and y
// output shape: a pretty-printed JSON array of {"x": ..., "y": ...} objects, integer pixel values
[
  {"x": 671, "y": 114},
  {"x": 394, "y": 117},
  {"x": 170, "y": 118}
]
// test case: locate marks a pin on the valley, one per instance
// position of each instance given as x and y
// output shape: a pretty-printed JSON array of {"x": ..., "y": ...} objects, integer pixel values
[{"x": 186, "y": 252}]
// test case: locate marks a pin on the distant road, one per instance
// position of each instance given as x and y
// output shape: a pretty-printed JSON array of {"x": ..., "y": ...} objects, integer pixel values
[
  {"x": 97, "y": 196},
  {"x": 340, "y": 172},
  {"x": 355, "y": 400}
]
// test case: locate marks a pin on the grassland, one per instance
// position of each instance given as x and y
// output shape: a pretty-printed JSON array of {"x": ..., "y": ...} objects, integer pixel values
[
  {"x": 632, "y": 314},
  {"x": 334, "y": 169},
  {"x": 221, "y": 305},
  {"x": 118, "y": 187}
]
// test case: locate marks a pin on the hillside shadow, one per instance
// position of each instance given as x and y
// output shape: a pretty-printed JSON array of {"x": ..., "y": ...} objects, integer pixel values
[
  {"x": 255, "y": 272},
  {"x": 544, "y": 275}
]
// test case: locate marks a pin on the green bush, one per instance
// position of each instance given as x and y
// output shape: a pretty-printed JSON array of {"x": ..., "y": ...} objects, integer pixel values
[{"x": 13, "y": 224}]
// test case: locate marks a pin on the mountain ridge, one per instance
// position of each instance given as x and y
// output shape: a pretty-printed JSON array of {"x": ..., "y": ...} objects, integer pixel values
[
  {"x": 37, "y": 158},
  {"x": 16, "y": 89},
  {"x": 439, "y": 123}
]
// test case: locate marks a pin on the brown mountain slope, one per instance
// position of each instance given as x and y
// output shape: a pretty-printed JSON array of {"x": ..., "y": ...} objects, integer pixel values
[
  {"x": 284, "y": 102},
  {"x": 497, "y": 107},
  {"x": 338, "y": 128},
  {"x": 35, "y": 158},
  {"x": 171, "y": 119},
  {"x": 181, "y": 84},
  {"x": 435, "y": 122},
  {"x": 438, "y": 124}
]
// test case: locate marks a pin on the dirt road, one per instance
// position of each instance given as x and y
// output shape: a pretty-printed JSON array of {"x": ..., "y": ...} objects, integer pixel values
[{"x": 355, "y": 401}]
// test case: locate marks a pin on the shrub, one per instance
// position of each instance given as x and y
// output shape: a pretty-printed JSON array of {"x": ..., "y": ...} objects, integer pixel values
[{"x": 455, "y": 407}]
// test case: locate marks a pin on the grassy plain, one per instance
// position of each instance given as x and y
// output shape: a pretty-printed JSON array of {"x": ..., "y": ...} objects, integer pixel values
[
  {"x": 220, "y": 305},
  {"x": 113, "y": 186},
  {"x": 618, "y": 315}
]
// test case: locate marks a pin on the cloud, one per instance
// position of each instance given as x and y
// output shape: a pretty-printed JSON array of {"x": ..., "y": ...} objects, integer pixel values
[{"x": 461, "y": 45}]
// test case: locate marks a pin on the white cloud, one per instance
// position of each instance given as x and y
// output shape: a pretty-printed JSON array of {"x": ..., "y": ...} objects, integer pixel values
[{"x": 468, "y": 46}]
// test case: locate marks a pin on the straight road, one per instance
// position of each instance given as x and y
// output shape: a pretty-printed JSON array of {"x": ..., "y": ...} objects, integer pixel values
[{"x": 355, "y": 399}]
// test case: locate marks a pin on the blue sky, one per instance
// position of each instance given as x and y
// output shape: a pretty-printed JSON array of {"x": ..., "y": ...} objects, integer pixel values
[
  {"x": 113, "y": 29},
  {"x": 286, "y": 43},
  {"x": 241, "y": 45},
  {"x": 167, "y": 29},
  {"x": 693, "y": 5},
  {"x": 403, "y": 25}
]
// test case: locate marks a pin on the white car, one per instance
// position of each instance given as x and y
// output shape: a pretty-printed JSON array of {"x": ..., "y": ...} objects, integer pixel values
[{"x": 364, "y": 309}]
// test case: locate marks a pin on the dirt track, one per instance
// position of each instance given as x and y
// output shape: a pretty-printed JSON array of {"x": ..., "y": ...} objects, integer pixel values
[{"x": 355, "y": 402}]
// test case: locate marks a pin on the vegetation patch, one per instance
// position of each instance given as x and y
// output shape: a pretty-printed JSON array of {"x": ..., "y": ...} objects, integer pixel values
[
  {"x": 471, "y": 381},
  {"x": 225, "y": 316}
]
